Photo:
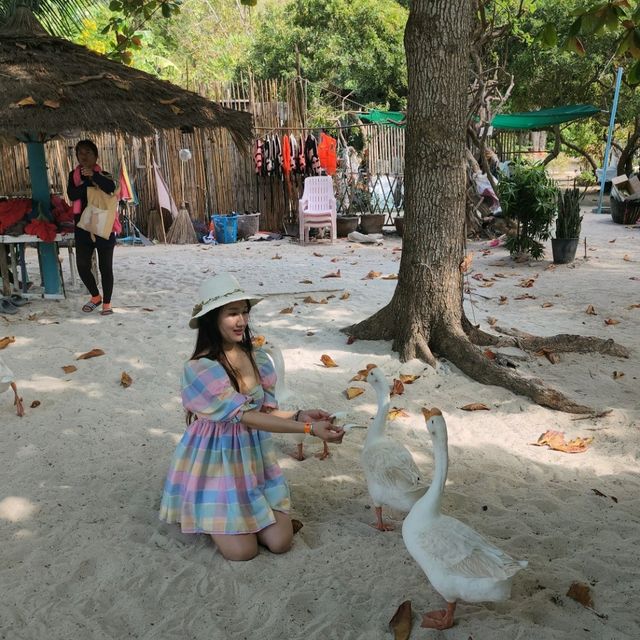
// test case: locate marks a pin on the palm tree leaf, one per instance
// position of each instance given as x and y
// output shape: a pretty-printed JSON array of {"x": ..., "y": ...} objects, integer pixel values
[{"x": 59, "y": 17}]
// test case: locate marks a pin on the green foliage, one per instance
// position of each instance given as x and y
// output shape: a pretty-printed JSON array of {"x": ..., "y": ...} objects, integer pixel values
[
  {"x": 346, "y": 45},
  {"x": 569, "y": 220},
  {"x": 586, "y": 179},
  {"x": 528, "y": 196}
]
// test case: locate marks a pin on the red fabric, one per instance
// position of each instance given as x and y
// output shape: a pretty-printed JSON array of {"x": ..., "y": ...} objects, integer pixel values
[
  {"x": 286, "y": 155},
  {"x": 12, "y": 211},
  {"x": 46, "y": 231},
  {"x": 327, "y": 153}
]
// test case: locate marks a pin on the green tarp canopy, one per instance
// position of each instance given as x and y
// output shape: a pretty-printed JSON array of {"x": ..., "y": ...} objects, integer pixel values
[
  {"x": 544, "y": 118},
  {"x": 375, "y": 116}
]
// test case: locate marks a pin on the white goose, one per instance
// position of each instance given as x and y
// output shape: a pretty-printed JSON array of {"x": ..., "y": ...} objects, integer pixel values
[
  {"x": 286, "y": 399},
  {"x": 459, "y": 562},
  {"x": 7, "y": 379},
  {"x": 393, "y": 478}
]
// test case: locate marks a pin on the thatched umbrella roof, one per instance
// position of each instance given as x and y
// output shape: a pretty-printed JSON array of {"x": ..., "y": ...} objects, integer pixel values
[{"x": 49, "y": 85}]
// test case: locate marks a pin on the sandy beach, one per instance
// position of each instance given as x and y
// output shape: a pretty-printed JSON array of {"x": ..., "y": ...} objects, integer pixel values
[{"x": 85, "y": 557}]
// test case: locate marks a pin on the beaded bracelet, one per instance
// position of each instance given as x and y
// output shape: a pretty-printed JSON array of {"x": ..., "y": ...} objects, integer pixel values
[{"x": 308, "y": 428}]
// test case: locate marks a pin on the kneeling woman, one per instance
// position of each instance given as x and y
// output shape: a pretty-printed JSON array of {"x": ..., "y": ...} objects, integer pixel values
[{"x": 224, "y": 478}]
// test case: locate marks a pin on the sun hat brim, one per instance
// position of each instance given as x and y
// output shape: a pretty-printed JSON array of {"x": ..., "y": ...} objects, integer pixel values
[{"x": 221, "y": 302}]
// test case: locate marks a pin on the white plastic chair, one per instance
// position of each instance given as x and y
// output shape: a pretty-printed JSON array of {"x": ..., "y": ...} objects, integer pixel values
[{"x": 317, "y": 207}]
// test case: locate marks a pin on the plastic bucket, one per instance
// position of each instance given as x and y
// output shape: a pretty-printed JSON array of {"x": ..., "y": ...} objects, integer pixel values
[
  {"x": 226, "y": 228},
  {"x": 248, "y": 224}
]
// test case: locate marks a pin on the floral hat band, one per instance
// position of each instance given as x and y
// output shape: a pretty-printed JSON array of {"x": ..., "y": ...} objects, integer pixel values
[{"x": 217, "y": 292}]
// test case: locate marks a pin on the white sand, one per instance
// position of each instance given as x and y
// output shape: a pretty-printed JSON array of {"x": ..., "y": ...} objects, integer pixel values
[{"x": 84, "y": 556}]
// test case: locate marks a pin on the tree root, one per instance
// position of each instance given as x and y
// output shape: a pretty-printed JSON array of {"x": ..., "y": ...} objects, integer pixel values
[
  {"x": 565, "y": 342},
  {"x": 379, "y": 326},
  {"x": 459, "y": 350},
  {"x": 482, "y": 338}
]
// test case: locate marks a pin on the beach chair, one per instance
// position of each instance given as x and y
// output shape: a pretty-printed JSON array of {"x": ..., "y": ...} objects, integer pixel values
[{"x": 317, "y": 207}]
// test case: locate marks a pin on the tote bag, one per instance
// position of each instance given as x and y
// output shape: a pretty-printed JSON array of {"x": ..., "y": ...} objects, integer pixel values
[{"x": 100, "y": 213}]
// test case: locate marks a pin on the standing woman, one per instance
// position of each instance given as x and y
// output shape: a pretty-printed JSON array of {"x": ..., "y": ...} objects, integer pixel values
[{"x": 89, "y": 174}]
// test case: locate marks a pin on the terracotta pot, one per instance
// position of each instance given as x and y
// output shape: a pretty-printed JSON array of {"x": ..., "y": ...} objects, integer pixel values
[
  {"x": 345, "y": 225},
  {"x": 372, "y": 222},
  {"x": 399, "y": 222}
]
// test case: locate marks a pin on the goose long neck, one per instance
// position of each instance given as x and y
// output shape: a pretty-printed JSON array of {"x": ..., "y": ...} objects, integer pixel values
[
  {"x": 431, "y": 502},
  {"x": 278, "y": 363},
  {"x": 376, "y": 430}
]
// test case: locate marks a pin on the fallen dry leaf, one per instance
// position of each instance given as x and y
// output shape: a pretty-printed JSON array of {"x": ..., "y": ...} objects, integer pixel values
[
  {"x": 492, "y": 321},
  {"x": 277, "y": 257},
  {"x": 335, "y": 259},
  {"x": 52, "y": 104},
  {"x": 94, "y": 353},
  {"x": 503, "y": 300},
  {"x": 296, "y": 525},
  {"x": 591, "y": 310},
  {"x": 466, "y": 263},
  {"x": 26, "y": 102},
  {"x": 287, "y": 310},
  {"x": 478, "y": 276},
  {"x": 612, "y": 241},
  {"x": 345, "y": 296},
  {"x": 397, "y": 388},
  {"x": 634, "y": 306},
  {"x": 318, "y": 255},
  {"x": 310, "y": 300},
  {"x": 529, "y": 282},
  {"x": 125, "y": 379},
  {"x": 306, "y": 281},
  {"x": 34, "y": 404},
  {"x": 550, "y": 267},
  {"x": 147, "y": 309},
  {"x": 546, "y": 305},
  {"x": 475, "y": 406},
  {"x": 6, "y": 341},
  {"x": 372, "y": 275},
  {"x": 604, "y": 495},
  {"x": 353, "y": 392},
  {"x": 611, "y": 321},
  {"x": 486, "y": 285},
  {"x": 402, "y": 621},
  {"x": 407, "y": 378},
  {"x": 550, "y": 355},
  {"x": 618, "y": 374},
  {"x": 311, "y": 333},
  {"x": 168, "y": 101},
  {"x": 69, "y": 368},
  {"x": 258, "y": 341},
  {"x": 351, "y": 339},
  {"x": 397, "y": 412},
  {"x": 555, "y": 441},
  {"x": 525, "y": 296},
  {"x": 581, "y": 593},
  {"x": 489, "y": 354},
  {"x": 363, "y": 373},
  {"x": 627, "y": 258},
  {"x": 499, "y": 275},
  {"x": 327, "y": 361},
  {"x": 391, "y": 276},
  {"x": 333, "y": 274}
]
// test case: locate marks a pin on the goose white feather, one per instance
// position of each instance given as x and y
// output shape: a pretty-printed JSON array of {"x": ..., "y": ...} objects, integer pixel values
[
  {"x": 393, "y": 478},
  {"x": 457, "y": 560},
  {"x": 284, "y": 396}
]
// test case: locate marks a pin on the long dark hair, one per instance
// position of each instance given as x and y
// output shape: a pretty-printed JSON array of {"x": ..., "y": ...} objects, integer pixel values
[{"x": 209, "y": 345}]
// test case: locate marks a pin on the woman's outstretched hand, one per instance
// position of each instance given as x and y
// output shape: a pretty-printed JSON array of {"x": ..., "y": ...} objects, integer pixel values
[
  {"x": 328, "y": 432},
  {"x": 309, "y": 415}
]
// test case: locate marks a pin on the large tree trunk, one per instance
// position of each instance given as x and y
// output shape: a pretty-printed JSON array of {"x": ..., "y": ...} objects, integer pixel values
[{"x": 425, "y": 315}]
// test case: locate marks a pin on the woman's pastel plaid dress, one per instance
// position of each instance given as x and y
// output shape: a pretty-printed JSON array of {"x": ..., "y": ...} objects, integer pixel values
[{"x": 224, "y": 476}]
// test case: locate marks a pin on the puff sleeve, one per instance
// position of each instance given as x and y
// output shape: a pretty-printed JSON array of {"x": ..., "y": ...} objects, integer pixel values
[
  {"x": 207, "y": 390},
  {"x": 268, "y": 378}
]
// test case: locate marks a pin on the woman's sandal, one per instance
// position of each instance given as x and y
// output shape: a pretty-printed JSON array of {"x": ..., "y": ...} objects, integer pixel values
[
  {"x": 106, "y": 312},
  {"x": 91, "y": 306}
]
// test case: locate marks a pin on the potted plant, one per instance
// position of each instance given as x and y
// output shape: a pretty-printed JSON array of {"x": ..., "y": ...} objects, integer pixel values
[
  {"x": 398, "y": 221},
  {"x": 528, "y": 196},
  {"x": 345, "y": 224},
  {"x": 568, "y": 224}
]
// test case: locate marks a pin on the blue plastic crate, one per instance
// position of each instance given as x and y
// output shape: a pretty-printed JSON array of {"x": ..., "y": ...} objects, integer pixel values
[{"x": 226, "y": 228}]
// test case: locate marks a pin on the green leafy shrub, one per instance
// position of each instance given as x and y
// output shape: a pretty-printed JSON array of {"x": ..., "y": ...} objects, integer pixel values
[
  {"x": 528, "y": 196},
  {"x": 569, "y": 219}
]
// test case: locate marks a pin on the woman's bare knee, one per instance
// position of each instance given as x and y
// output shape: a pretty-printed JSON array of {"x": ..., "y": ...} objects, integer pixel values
[
  {"x": 239, "y": 555},
  {"x": 238, "y": 548},
  {"x": 279, "y": 546}
]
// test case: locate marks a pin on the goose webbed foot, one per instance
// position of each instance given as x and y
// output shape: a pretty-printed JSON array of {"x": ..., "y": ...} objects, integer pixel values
[
  {"x": 441, "y": 619},
  {"x": 324, "y": 454}
]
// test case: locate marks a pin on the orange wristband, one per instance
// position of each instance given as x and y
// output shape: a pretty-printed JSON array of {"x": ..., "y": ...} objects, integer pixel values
[{"x": 308, "y": 428}]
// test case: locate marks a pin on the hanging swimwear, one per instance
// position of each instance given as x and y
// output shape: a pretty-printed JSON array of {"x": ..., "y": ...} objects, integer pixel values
[
  {"x": 327, "y": 153},
  {"x": 311, "y": 155},
  {"x": 286, "y": 155},
  {"x": 258, "y": 155}
]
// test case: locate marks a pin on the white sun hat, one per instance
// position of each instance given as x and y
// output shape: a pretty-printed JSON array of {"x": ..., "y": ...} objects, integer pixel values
[{"x": 216, "y": 292}]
